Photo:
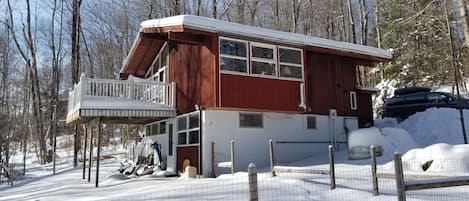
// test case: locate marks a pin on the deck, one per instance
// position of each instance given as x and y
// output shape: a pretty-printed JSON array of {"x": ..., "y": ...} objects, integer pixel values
[{"x": 121, "y": 101}]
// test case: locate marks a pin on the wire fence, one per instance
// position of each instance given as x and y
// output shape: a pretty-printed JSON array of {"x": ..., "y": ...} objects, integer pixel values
[{"x": 353, "y": 182}]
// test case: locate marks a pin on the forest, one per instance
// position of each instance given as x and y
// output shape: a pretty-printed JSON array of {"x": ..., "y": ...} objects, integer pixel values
[{"x": 46, "y": 45}]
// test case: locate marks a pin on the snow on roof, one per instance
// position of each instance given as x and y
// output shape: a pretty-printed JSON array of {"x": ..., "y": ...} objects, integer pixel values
[{"x": 220, "y": 26}]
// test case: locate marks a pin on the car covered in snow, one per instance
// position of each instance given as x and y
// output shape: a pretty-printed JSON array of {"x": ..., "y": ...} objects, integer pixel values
[{"x": 408, "y": 101}]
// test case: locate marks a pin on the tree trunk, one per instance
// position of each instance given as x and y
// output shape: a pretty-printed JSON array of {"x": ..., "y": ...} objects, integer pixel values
[
  {"x": 214, "y": 8},
  {"x": 352, "y": 22},
  {"x": 464, "y": 17}
]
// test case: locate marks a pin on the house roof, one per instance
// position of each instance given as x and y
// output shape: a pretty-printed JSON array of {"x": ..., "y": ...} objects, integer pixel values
[{"x": 228, "y": 28}]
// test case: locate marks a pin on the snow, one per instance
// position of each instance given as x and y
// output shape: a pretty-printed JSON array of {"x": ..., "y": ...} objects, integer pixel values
[
  {"x": 224, "y": 27},
  {"x": 353, "y": 176}
]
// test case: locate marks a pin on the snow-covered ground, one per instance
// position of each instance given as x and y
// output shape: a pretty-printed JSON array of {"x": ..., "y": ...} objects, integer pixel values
[{"x": 438, "y": 128}]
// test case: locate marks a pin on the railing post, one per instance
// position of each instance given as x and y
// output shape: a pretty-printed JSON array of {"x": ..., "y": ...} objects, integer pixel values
[
  {"x": 252, "y": 173},
  {"x": 232, "y": 158},
  {"x": 331, "y": 166},
  {"x": 272, "y": 160},
  {"x": 374, "y": 178},
  {"x": 399, "y": 177}
]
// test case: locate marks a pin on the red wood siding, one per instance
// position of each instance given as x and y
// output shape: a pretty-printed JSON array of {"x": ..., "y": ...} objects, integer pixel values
[
  {"x": 259, "y": 93},
  {"x": 328, "y": 83},
  {"x": 192, "y": 67},
  {"x": 191, "y": 153}
]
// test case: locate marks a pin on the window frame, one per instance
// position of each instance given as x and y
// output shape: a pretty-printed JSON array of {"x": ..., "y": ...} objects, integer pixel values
[
  {"x": 315, "y": 123},
  {"x": 154, "y": 75},
  {"x": 353, "y": 100},
  {"x": 274, "y": 59},
  {"x": 188, "y": 130},
  {"x": 250, "y": 127},
  {"x": 246, "y": 59},
  {"x": 302, "y": 65}
]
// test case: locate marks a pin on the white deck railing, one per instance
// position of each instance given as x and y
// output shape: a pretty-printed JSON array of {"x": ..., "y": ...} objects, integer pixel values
[{"x": 141, "y": 90}]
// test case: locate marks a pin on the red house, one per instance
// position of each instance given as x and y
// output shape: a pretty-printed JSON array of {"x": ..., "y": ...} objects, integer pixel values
[{"x": 202, "y": 80}]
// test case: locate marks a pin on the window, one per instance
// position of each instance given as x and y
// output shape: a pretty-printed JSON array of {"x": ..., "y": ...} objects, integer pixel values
[
  {"x": 182, "y": 123},
  {"x": 182, "y": 138},
  {"x": 154, "y": 129},
  {"x": 311, "y": 122},
  {"x": 233, "y": 55},
  {"x": 353, "y": 100},
  {"x": 158, "y": 70},
  {"x": 188, "y": 129},
  {"x": 170, "y": 140},
  {"x": 291, "y": 62},
  {"x": 162, "y": 128},
  {"x": 251, "y": 120},
  {"x": 148, "y": 130},
  {"x": 263, "y": 59}
]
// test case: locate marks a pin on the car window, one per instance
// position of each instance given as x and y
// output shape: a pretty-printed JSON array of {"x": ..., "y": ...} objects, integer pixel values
[
  {"x": 395, "y": 101},
  {"x": 415, "y": 99},
  {"x": 437, "y": 98}
]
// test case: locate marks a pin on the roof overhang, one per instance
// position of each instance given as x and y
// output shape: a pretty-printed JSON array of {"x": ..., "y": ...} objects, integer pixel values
[{"x": 152, "y": 31}]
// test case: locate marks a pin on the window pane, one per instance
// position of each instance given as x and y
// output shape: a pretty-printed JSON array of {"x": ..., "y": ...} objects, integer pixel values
[
  {"x": 311, "y": 122},
  {"x": 234, "y": 48},
  {"x": 237, "y": 65},
  {"x": 262, "y": 68},
  {"x": 262, "y": 52},
  {"x": 182, "y": 138},
  {"x": 291, "y": 71},
  {"x": 148, "y": 130},
  {"x": 290, "y": 56},
  {"x": 154, "y": 129},
  {"x": 162, "y": 129},
  {"x": 194, "y": 121},
  {"x": 182, "y": 123},
  {"x": 193, "y": 137},
  {"x": 164, "y": 57},
  {"x": 250, "y": 120}
]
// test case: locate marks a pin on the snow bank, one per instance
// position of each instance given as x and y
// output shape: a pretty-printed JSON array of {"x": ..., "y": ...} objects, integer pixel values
[
  {"x": 436, "y": 125},
  {"x": 438, "y": 158}
]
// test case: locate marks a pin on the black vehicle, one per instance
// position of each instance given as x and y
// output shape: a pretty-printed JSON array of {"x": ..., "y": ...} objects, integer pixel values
[{"x": 408, "y": 101}]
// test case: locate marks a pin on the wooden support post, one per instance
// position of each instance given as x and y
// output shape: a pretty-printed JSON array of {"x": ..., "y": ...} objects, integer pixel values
[
  {"x": 252, "y": 174},
  {"x": 91, "y": 156},
  {"x": 374, "y": 178},
  {"x": 331, "y": 166},
  {"x": 84, "y": 151},
  {"x": 399, "y": 177},
  {"x": 99, "y": 151},
  {"x": 75, "y": 147},
  {"x": 212, "y": 159},
  {"x": 272, "y": 160},
  {"x": 232, "y": 158}
]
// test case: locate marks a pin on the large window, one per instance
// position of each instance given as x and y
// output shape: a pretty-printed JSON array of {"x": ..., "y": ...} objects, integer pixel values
[
  {"x": 159, "y": 68},
  {"x": 261, "y": 60},
  {"x": 188, "y": 129},
  {"x": 233, "y": 55}
]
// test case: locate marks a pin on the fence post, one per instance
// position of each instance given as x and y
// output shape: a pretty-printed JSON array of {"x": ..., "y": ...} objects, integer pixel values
[
  {"x": 399, "y": 177},
  {"x": 212, "y": 158},
  {"x": 373, "y": 170},
  {"x": 331, "y": 166},
  {"x": 232, "y": 158},
  {"x": 252, "y": 173},
  {"x": 272, "y": 159}
]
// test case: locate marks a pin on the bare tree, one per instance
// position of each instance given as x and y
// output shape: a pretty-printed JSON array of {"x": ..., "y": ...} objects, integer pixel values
[
  {"x": 352, "y": 22},
  {"x": 29, "y": 57}
]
